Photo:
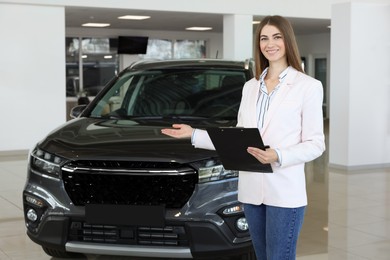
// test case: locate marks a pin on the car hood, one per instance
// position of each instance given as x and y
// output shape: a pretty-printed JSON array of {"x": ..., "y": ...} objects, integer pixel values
[{"x": 98, "y": 139}]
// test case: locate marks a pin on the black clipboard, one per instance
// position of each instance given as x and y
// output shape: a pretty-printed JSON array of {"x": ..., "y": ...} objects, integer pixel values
[{"x": 231, "y": 144}]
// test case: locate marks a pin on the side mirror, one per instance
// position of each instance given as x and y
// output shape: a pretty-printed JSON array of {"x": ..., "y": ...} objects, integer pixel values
[{"x": 76, "y": 111}]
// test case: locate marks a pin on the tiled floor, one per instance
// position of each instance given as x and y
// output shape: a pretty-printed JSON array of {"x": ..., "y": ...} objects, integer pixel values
[{"x": 348, "y": 216}]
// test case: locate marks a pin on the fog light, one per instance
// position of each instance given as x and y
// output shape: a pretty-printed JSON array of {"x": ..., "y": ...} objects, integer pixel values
[
  {"x": 242, "y": 224},
  {"x": 32, "y": 215}
]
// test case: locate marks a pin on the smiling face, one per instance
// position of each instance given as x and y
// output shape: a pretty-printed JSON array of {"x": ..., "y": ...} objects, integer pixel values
[
  {"x": 275, "y": 45},
  {"x": 272, "y": 44}
]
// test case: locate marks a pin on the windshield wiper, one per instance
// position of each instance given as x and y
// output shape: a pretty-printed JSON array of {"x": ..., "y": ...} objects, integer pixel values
[{"x": 108, "y": 117}]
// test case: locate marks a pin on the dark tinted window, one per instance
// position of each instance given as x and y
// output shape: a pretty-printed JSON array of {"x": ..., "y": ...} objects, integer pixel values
[{"x": 204, "y": 93}]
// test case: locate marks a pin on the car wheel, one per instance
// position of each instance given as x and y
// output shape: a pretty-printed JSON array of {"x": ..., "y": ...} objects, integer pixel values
[{"x": 61, "y": 254}]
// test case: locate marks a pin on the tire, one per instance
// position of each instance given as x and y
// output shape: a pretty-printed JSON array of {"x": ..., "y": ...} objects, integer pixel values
[{"x": 61, "y": 254}]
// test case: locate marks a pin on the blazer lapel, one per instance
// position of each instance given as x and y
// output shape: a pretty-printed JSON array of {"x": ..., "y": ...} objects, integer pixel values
[{"x": 254, "y": 96}]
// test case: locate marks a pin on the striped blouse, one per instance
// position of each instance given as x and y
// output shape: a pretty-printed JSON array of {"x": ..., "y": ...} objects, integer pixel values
[{"x": 265, "y": 98}]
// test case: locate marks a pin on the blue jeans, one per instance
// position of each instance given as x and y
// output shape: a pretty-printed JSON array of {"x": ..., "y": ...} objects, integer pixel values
[{"x": 274, "y": 230}]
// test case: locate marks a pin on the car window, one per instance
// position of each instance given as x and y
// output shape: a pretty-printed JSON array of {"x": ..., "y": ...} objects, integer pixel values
[{"x": 203, "y": 93}]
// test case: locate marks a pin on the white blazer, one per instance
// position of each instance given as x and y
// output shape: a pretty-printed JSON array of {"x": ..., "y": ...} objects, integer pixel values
[{"x": 294, "y": 125}]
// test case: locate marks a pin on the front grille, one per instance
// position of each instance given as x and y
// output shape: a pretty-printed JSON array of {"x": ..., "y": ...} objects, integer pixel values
[
  {"x": 167, "y": 236},
  {"x": 129, "y": 183}
]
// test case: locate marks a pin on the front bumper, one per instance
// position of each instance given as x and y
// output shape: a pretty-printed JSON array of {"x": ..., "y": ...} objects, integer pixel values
[
  {"x": 200, "y": 239},
  {"x": 196, "y": 230},
  {"x": 126, "y": 250}
]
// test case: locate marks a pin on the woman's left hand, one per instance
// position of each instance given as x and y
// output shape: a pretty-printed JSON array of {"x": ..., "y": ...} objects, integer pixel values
[{"x": 267, "y": 156}]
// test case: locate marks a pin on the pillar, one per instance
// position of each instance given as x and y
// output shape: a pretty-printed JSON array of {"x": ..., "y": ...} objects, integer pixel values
[
  {"x": 237, "y": 37},
  {"x": 360, "y": 86}
]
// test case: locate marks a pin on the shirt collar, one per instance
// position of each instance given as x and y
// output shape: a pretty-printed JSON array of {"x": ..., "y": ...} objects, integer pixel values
[
  {"x": 263, "y": 88},
  {"x": 282, "y": 75}
]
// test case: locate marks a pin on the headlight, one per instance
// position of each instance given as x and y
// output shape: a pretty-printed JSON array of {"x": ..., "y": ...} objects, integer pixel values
[
  {"x": 46, "y": 163},
  {"x": 214, "y": 171}
]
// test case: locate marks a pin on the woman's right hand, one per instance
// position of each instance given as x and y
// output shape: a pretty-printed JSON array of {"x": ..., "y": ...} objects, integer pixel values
[{"x": 178, "y": 131}]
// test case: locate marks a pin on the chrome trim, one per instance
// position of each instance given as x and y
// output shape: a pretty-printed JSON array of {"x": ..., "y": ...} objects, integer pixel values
[
  {"x": 45, "y": 175},
  {"x": 250, "y": 63},
  {"x": 129, "y": 171},
  {"x": 128, "y": 250},
  {"x": 246, "y": 65}
]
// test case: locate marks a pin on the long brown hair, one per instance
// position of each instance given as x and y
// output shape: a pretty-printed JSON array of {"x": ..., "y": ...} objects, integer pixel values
[{"x": 292, "y": 52}]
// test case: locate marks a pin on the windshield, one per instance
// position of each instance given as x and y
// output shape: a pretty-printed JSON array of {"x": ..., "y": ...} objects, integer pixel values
[{"x": 211, "y": 93}]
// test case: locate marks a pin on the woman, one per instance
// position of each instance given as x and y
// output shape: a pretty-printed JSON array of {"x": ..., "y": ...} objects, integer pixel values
[{"x": 286, "y": 105}]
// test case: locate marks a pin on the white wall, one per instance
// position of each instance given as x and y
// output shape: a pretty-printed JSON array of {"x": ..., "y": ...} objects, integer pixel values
[
  {"x": 32, "y": 69},
  {"x": 360, "y": 86}
]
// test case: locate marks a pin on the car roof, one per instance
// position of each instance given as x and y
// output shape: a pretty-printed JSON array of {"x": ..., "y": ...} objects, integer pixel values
[{"x": 190, "y": 63}]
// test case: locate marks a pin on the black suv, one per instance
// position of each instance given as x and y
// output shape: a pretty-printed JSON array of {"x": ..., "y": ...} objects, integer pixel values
[{"x": 109, "y": 183}]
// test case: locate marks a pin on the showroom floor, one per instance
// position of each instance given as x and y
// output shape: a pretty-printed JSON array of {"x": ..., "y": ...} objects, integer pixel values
[{"x": 348, "y": 216}]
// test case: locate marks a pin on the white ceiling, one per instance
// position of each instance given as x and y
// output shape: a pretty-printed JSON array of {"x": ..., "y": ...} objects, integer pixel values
[{"x": 173, "y": 21}]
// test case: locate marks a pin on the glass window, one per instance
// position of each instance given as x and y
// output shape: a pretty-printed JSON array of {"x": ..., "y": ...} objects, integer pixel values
[
  {"x": 173, "y": 92},
  {"x": 178, "y": 49},
  {"x": 158, "y": 49},
  {"x": 188, "y": 49},
  {"x": 99, "y": 60},
  {"x": 99, "y": 63}
]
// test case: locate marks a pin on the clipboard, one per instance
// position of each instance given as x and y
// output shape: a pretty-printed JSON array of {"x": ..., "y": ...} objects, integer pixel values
[{"x": 231, "y": 144}]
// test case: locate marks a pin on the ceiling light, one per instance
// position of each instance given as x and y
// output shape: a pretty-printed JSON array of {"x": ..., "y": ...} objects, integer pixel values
[
  {"x": 256, "y": 22},
  {"x": 134, "y": 17},
  {"x": 96, "y": 24},
  {"x": 199, "y": 28},
  {"x": 108, "y": 56}
]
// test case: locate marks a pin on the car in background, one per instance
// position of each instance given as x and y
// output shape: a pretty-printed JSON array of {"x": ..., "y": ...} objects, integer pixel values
[{"x": 108, "y": 182}]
